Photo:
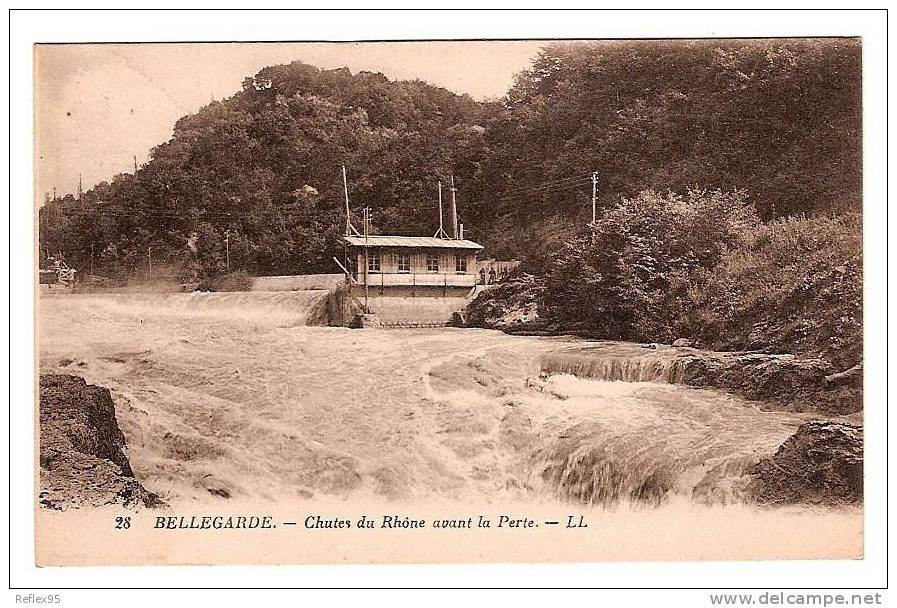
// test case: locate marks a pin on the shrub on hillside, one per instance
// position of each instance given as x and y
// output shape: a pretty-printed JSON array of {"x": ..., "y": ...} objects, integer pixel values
[
  {"x": 657, "y": 267},
  {"x": 795, "y": 285},
  {"x": 630, "y": 277}
]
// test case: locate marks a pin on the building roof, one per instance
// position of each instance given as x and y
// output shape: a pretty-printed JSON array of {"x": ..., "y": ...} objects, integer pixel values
[{"x": 380, "y": 240}]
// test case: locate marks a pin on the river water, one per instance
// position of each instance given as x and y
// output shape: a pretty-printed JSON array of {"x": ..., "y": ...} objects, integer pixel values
[
  {"x": 231, "y": 402},
  {"x": 231, "y": 395}
]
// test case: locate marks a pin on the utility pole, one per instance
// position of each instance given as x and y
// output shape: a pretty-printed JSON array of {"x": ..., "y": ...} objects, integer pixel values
[
  {"x": 227, "y": 249},
  {"x": 594, "y": 195},
  {"x": 346, "y": 192},
  {"x": 367, "y": 222},
  {"x": 149, "y": 257},
  {"x": 91, "y": 260},
  {"x": 454, "y": 212},
  {"x": 80, "y": 190},
  {"x": 350, "y": 229},
  {"x": 440, "y": 234},
  {"x": 440, "y": 208},
  {"x": 135, "y": 164}
]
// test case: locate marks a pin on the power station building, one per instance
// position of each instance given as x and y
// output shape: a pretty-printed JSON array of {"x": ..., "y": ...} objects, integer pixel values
[{"x": 412, "y": 265}]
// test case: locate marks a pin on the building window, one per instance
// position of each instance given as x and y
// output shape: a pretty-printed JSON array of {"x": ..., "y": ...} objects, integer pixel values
[
  {"x": 460, "y": 263},
  {"x": 374, "y": 261},
  {"x": 432, "y": 262},
  {"x": 403, "y": 261}
]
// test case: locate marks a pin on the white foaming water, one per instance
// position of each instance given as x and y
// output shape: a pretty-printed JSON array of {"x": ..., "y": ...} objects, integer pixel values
[
  {"x": 620, "y": 361},
  {"x": 282, "y": 308},
  {"x": 648, "y": 442},
  {"x": 229, "y": 390}
]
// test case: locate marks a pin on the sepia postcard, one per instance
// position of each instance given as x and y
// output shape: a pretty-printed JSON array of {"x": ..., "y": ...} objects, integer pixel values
[{"x": 449, "y": 301}]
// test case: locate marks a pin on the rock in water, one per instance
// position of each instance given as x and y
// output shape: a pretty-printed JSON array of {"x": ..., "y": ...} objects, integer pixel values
[
  {"x": 822, "y": 463},
  {"x": 781, "y": 381},
  {"x": 511, "y": 305},
  {"x": 363, "y": 320},
  {"x": 82, "y": 462}
]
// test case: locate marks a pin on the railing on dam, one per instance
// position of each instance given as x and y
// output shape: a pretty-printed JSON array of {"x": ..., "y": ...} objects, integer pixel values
[{"x": 417, "y": 279}]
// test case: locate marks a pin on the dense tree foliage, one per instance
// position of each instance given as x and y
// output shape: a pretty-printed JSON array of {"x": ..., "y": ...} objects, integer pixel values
[
  {"x": 261, "y": 171},
  {"x": 779, "y": 121},
  {"x": 630, "y": 276},
  {"x": 791, "y": 285}
]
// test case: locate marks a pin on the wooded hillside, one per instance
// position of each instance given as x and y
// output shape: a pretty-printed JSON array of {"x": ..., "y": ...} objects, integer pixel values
[{"x": 778, "y": 121}]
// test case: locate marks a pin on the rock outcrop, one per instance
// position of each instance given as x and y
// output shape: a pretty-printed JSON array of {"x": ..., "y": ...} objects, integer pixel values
[
  {"x": 82, "y": 462},
  {"x": 781, "y": 381},
  {"x": 510, "y": 306},
  {"x": 755, "y": 375},
  {"x": 822, "y": 463},
  {"x": 365, "y": 320}
]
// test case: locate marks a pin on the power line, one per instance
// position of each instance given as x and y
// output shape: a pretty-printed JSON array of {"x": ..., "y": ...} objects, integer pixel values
[
  {"x": 558, "y": 180},
  {"x": 519, "y": 196},
  {"x": 558, "y": 187},
  {"x": 546, "y": 185}
]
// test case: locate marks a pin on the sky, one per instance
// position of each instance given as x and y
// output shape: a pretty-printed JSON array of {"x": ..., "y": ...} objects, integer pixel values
[{"x": 98, "y": 106}]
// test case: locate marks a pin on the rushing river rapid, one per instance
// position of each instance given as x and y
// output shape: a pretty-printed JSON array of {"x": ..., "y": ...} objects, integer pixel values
[
  {"x": 232, "y": 395},
  {"x": 230, "y": 399}
]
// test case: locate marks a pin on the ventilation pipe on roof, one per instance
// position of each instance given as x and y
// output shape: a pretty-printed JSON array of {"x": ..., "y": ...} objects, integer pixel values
[{"x": 461, "y": 231}]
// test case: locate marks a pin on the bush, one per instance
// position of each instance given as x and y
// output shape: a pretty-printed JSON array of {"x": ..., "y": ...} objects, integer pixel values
[
  {"x": 795, "y": 285},
  {"x": 239, "y": 280},
  {"x": 630, "y": 277},
  {"x": 658, "y": 267}
]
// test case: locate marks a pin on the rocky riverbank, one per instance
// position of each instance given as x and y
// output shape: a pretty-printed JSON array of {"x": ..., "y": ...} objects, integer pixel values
[
  {"x": 511, "y": 306},
  {"x": 82, "y": 462},
  {"x": 779, "y": 381},
  {"x": 822, "y": 463}
]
